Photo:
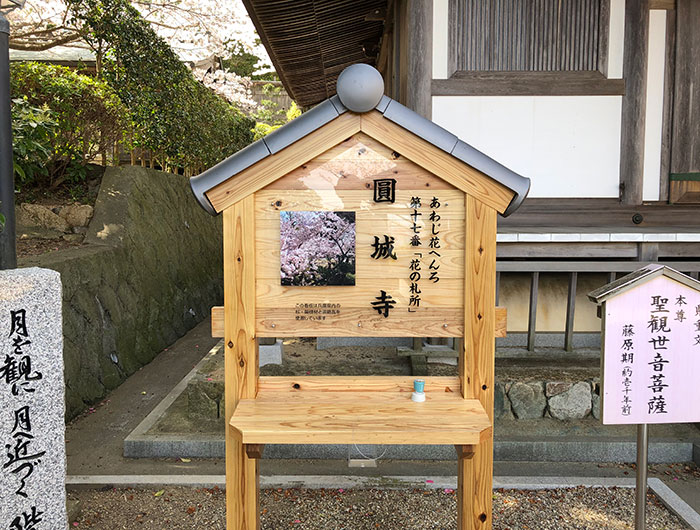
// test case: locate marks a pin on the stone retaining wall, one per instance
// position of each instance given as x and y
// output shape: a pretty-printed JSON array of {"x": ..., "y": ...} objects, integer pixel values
[
  {"x": 150, "y": 270},
  {"x": 538, "y": 399}
]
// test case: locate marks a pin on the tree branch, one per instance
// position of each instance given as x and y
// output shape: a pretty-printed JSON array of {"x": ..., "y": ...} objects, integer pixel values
[{"x": 43, "y": 46}]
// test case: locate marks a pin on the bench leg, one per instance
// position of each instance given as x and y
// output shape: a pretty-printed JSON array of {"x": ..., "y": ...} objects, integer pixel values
[
  {"x": 242, "y": 485},
  {"x": 474, "y": 486}
]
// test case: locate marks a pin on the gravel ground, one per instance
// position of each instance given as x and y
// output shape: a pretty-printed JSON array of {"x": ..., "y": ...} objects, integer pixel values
[{"x": 185, "y": 508}]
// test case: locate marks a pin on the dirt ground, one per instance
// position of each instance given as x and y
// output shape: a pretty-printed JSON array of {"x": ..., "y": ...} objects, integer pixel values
[
  {"x": 302, "y": 358},
  {"x": 34, "y": 247},
  {"x": 360, "y": 509}
]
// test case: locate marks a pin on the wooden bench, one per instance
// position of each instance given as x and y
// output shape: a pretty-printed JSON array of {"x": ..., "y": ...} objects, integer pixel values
[{"x": 376, "y": 410}]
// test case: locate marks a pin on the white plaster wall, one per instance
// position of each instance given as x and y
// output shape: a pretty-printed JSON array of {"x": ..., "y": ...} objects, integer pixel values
[
  {"x": 568, "y": 145},
  {"x": 616, "y": 38},
  {"x": 653, "y": 128},
  {"x": 440, "y": 38}
]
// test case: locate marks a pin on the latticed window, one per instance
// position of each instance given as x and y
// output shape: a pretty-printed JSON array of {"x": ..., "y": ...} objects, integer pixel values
[{"x": 528, "y": 35}]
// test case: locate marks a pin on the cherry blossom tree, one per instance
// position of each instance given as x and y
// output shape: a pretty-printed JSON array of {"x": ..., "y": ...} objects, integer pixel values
[
  {"x": 198, "y": 31},
  {"x": 317, "y": 248},
  {"x": 195, "y": 29}
]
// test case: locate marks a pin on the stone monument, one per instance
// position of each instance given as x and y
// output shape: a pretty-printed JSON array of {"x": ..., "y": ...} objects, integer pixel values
[{"x": 32, "y": 425}]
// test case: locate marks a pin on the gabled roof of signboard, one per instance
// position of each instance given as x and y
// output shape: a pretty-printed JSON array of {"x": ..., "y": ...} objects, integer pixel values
[
  {"x": 639, "y": 277},
  {"x": 360, "y": 93}
]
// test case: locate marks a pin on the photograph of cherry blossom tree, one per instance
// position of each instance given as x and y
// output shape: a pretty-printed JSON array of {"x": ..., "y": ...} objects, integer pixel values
[{"x": 317, "y": 248}]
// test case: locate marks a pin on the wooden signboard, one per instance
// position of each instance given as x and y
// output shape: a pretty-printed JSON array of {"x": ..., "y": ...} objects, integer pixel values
[
  {"x": 651, "y": 357},
  {"x": 402, "y": 228},
  {"x": 348, "y": 222}
]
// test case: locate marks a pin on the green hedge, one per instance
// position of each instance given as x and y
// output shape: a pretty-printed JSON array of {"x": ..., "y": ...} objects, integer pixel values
[
  {"x": 61, "y": 121},
  {"x": 175, "y": 116},
  {"x": 143, "y": 96}
]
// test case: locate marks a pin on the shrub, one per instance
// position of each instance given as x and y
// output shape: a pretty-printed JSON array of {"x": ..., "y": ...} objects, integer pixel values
[
  {"x": 89, "y": 117},
  {"x": 33, "y": 132},
  {"x": 175, "y": 116}
]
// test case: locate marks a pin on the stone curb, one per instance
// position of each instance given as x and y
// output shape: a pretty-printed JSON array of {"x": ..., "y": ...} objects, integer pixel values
[
  {"x": 670, "y": 499},
  {"x": 137, "y": 443}
]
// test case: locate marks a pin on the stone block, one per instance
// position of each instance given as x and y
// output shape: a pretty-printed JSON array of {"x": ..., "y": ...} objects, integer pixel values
[
  {"x": 77, "y": 214},
  {"x": 270, "y": 354},
  {"x": 595, "y": 406},
  {"x": 501, "y": 403},
  {"x": 573, "y": 404},
  {"x": 205, "y": 399},
  {"x": 554, "y": 387},
  {"x": 323, "y": 343},
  {"x": 32, "y": 424},
  {"x": 527, "y": 400},
  {"x": 37, "y": 216}
]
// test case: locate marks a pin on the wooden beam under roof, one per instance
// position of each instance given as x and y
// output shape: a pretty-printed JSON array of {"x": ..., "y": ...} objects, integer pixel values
[{"x": 311, "y": 41}]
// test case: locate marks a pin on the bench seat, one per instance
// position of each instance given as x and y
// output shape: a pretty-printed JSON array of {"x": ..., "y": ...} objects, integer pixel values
[{"x": 312, "y": 414}]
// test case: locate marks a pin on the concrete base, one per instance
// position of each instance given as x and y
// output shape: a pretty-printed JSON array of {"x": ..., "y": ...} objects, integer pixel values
[
  {"x": 323, "y": 343},
  {"x": 549, "y": 340},
  {"x": 271, "y": 354},
  {"x": 585, "y": 450}
]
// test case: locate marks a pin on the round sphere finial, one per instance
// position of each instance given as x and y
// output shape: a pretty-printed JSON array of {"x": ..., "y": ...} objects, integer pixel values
[{"x": 360, "y": 87}]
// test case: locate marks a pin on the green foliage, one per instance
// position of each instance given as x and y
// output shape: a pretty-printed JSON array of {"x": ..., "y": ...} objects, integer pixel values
[
  {"x": 241, "y": 62},
  {"x": 33, "y": 132},
  {"x": 174, "y": 115},
  {"x": 62, "y": 120},
  {"x": 269, "y": 116}
]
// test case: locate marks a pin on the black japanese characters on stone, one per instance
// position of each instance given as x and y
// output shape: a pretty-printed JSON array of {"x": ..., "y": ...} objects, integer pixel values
[
  {"x": 16, "y": 370},
  {"x": 19, "y": 458},
  {"x": 28, "y": 520}
]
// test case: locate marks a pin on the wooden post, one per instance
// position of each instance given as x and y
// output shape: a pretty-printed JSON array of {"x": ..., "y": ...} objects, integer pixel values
[
  {"x": 241, "y": 361},
  {"x": 420, "y": 56},
  {"x": 634, "y": 101},
  {"x": 476, "y": 362}
]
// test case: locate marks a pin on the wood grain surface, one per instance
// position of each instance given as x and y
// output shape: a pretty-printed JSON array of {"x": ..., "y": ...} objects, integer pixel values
[
  {"x": 241, "y": 360},
  {"x": 265, "y": 329},
  {"x": 477, "y": 365},
  {"x": 357, "y": 417},
  {"x": 271, "y": 168},
  {"x": 348, "y": 171}
]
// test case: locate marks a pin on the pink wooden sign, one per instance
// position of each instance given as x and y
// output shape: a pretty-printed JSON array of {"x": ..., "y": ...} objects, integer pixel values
[{"x": 651, "y": 355}]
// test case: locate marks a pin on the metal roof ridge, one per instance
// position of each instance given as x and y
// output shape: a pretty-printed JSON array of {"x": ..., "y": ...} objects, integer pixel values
[
  {"x": 274, "y": 142},
  {"x": 451, "y": 144},
  {"x": 333, "y": 107},
  {"x": 643, "y": 275}
]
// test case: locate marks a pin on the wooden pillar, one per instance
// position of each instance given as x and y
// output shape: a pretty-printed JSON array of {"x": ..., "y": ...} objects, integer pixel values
[
  {"x": 420, "y": 56},
  {"x": 241, "y": 361},
  {"x": 635, "y": 64},
  {"x": 476, "y": 363}
]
